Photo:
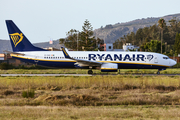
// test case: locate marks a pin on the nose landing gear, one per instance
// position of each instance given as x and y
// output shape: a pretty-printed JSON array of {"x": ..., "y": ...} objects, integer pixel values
[{"x": 90, "y": 71}]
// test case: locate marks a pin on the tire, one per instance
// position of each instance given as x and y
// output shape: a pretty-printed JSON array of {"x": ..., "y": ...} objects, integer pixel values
[
  {"x": 158, "y": 72},
  {"x": 90, "y": 72}
]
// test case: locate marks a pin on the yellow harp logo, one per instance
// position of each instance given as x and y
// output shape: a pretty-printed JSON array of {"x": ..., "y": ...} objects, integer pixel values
[{"x": 16, "y": 38}]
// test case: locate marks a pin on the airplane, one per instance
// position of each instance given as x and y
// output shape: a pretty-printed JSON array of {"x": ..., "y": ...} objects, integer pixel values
[{"x": 106, "y": 61}]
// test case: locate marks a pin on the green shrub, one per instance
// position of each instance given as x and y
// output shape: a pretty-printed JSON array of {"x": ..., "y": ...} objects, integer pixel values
[
  {"x": 21, "y": 67},
  {"x": 4, "y": 66},
  {"x": 28, "y": 93}
]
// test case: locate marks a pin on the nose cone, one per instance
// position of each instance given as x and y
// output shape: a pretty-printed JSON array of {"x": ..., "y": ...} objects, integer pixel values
[{"x": 173, "y": 62}]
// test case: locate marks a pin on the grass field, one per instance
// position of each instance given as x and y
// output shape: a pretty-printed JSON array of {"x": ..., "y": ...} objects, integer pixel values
[
  {"x": 91, "y": 97},
  {"x": 91, "y": 91},
  {"x": 84, "y": 71},
  {"x": 90, "y": 113}
]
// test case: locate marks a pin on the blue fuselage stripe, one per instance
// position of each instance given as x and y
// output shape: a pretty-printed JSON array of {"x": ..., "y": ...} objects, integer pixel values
[{"x": 70, "y": 64}]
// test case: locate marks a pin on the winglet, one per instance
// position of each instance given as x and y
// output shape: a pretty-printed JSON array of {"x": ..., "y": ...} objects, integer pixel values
[{"x": 65, "y": 53}]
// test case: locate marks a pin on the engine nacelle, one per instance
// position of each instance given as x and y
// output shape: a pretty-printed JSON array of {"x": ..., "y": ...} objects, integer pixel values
[{"x": 109, "y": 67}]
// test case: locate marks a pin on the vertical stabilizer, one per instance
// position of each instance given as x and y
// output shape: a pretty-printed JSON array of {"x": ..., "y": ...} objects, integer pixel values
[{"x": 19, "y": 42}]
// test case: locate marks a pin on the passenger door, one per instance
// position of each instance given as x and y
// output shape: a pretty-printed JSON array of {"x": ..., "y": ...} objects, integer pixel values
[
  {"x": 155, "y": 59},
  {"x": 36, "y": 59}
]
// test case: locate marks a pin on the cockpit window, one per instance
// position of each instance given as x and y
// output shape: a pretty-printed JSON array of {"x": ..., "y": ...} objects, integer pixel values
[{"x": 165, "y": 58}]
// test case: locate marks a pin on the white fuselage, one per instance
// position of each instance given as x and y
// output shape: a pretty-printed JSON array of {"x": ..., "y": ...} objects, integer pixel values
[{"x": 123, "y": 59}]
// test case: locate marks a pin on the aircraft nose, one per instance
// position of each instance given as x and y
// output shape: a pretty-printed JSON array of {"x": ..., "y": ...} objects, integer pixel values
[{"x": 173, "y": 62}]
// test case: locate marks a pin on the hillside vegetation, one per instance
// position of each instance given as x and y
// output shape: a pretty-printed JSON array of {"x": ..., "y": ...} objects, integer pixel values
[{"x": 110, "y": 33}]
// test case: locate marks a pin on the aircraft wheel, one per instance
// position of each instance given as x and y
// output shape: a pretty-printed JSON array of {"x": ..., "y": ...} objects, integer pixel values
[
  {"x": 158, "y": 72},
  {"x": 90, "y": 72}
]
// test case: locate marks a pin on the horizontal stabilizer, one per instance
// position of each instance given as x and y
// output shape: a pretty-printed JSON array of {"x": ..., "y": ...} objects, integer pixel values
[{"x": 14, "y": 53}]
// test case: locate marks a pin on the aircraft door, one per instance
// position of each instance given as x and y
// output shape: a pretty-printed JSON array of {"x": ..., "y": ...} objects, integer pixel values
[{"x": 155, "y": 59}]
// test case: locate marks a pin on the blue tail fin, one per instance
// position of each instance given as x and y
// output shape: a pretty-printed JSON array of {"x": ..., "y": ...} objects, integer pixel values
[{"x": 19, "y": 42}]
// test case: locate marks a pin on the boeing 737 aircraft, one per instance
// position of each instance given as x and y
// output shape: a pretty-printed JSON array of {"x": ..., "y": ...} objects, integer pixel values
[{"x": 102, "y": 60}]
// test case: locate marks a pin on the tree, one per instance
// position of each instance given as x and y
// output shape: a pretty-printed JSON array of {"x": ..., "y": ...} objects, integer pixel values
[
  {"x": 154, "y": 32},
  {"x": 139, "y": 36},
  {"x": 173, "y": 22},
  {"x": 153, "y": 46},
  {"x": 71, "y": 40},
  {"x": 61, "y": 41},
  {"x": 177, "y": 43},
  {"x": 146, "y": 34},
  {"x": 162, "y": 25},
  {"x": 87, "y": 40},
  {"x": 81, "y": 40},
  {"x": 99, "y": 42},
  {"x": 118, "y": 44},
  {"x": 173, "y": 29}
]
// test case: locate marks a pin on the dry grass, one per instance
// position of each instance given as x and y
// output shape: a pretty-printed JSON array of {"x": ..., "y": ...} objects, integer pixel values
[
  {"x": 95, "y": 97},
  {"x": 109, "y": 113},
  {"x": 91, "y": 91}
]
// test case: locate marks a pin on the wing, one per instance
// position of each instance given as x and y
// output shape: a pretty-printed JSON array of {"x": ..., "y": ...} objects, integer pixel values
[{"x": 81, "y": 62}]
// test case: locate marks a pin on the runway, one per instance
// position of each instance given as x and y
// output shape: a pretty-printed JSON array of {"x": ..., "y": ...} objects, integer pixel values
[
  {"x": 5, "y": 75},
  {"x": 14, "y": 75}
]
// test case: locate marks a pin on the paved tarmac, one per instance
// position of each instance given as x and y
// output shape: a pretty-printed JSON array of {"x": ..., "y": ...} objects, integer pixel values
[{"x": 6, "y": 75}]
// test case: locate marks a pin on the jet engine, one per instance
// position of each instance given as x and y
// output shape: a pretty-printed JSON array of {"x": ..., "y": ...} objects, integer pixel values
[{"x": 109, "y": 67}]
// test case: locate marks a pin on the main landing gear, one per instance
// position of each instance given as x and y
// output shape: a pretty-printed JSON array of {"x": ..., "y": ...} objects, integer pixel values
[
  {"x": 90, "y": 71},
  {"x": 158, "y": 72}
]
